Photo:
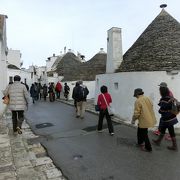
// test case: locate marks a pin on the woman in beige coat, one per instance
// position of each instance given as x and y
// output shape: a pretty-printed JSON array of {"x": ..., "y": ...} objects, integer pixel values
[
  {"x": 19, "y": 99},
  {"x": 144, "y": 113}
]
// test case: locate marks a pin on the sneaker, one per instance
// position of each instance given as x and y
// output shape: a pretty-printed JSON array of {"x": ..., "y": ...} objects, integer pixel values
[
  {"x": 99, "y": 131},
  {"x": 112, "y": 134},
  {"x": 82, "y": 117},
  {"x": 145, "y": 150},
  {"x": 139, "y": 145},
  {"x": 19, "y": 130},
  {"x": 15, "y": 133},
  {"x": 77, "y": 116}
]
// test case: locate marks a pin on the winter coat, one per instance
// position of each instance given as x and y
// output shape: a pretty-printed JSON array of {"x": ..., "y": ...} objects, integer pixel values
[
  {"x": 45, "y": 90},
  {"x": 78, "y": 93},
  {"x": 58, "y": 87},
  {"x": 33, "y": 91},
  {"x": 144, "y": 113},
  {"x": 18, "y": 95},
  {"x": 101, "y": 101},
  {"x": 167, "y": 118}
]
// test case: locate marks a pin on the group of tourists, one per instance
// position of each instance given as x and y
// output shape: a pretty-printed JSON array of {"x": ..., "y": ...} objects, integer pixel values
[
  {"x": 144, "y": 113},
  {"x": 18, "y": 96},
  {"x": 37, "y": 91}
]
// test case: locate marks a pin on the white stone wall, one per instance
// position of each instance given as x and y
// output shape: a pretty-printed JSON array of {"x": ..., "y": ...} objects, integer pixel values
[
  {"x": 50, "y": 62},
  {"x": 3, "y": 59},
  {"x": 14, "y": 57},
  {"x": 114, "y": 49},
  {"x": 23, "y": 73},
  {"x": 121, "y": 86}
]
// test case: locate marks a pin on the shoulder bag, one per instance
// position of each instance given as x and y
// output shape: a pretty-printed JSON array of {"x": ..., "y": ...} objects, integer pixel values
[{"x": 109, "y": 108}]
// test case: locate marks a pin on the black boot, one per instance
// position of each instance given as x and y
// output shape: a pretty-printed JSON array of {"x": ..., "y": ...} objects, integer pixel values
[
  {"x": 158, "y": 141},
  {"x": 174, "y": 144}
]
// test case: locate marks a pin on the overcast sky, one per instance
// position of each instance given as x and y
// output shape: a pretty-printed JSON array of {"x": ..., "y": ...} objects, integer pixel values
[{"x": 39, "y": 28}]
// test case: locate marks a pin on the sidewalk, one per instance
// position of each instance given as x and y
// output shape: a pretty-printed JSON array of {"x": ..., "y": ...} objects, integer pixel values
[
  {"x": 90, "y": 108},
  {"x": 20, "y": 160}
]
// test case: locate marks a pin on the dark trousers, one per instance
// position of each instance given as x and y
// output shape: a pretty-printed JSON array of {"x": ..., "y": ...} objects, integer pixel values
[
  {"x": 44, "y": 97},
  {"x": 103, "y": 113},
  {"x": 58, "y": 93},
  {"x": 142, "y": 137},
  {"x": 17, "y": 119},
  {"x": 170, "y": 129}
]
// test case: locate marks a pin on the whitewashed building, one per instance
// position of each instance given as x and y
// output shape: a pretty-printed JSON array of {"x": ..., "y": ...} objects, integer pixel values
[
  {"x": 152, "y": 59},
  {"x": 3, "y": 58}
]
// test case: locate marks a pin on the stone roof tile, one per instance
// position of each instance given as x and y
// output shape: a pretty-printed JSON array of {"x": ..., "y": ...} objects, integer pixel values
[{"x": 157, "y": 48}]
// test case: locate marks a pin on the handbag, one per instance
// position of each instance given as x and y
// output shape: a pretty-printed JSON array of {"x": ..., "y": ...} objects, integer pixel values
[
  {"x": 109, "y": 108},
  {"x": 5, "y": 100},
  {"x": 97, "y": 108}
]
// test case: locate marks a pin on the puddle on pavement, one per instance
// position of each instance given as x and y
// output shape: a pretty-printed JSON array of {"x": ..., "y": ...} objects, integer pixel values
[
  {"x": 77, "y": 156},
  {"x": 44, "y": 125}
]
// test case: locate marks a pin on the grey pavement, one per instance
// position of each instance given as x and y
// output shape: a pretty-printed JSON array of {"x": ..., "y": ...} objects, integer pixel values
[
  {"x": 87, "y": 155},
  {"x": 20, "y": 160},
  {"x": 25, "y": 159}
]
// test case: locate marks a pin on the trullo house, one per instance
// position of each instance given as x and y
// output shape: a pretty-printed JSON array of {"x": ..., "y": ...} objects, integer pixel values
[{"x": 153, "y": 58}]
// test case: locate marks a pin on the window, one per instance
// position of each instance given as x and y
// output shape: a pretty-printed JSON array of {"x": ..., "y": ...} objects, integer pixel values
[
  {"x": 116, "y": 85},
  {"x": 10, "y": 79}
]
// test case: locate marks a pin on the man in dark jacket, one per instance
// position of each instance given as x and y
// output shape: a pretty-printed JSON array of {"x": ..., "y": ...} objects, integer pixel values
[{"x": 80, "y": 95}]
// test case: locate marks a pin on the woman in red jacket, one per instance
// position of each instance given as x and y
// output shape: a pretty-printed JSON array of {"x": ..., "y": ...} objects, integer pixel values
[{"x": 104, "y": 99}]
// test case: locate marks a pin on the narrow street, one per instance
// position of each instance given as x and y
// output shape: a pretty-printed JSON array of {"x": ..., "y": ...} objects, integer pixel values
[{"x": 83, "y": 154}]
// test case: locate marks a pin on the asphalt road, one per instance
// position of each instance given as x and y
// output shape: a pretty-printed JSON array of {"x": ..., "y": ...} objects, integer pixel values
[{"x": 83, "y": 154}]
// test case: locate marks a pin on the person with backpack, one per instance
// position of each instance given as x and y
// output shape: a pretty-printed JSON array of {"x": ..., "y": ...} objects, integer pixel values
[
  {"x": 168, "y": 118},
  {"x": 73, "y": 95},
  {"x": 66, "y": 91},
  {"x": 80, "y": 95},
  {"x": 157, "y": 132}
]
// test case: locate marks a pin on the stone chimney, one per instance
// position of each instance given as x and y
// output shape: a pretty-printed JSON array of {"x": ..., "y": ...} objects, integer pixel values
[{"x": 114, "y": 49}]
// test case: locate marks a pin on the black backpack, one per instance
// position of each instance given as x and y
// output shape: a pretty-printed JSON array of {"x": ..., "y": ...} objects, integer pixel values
[{"x": 82, "y": 93}]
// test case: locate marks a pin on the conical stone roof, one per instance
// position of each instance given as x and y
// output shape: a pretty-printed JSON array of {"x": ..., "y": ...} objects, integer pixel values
[
  {"x": 73, "y": 69},
  {"x": 157, "y": 49}
]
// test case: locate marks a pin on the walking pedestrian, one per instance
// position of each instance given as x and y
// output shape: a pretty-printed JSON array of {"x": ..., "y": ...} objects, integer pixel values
[
  {"x": 40, "y": 90},
  {"x": 45, "y": 91},
  {"x": 66, "y": 91},
  {"x": 157, "y": 132},
  {"x": 73, "y": 95},
  {"x": 144, "y": 113},
  {"x": 51, "y": 92},
  {"x": 168, "y": 119},
  {"x": 80, "y": 96},
  {"x": 33, "y": 93},
  {"x": 58, "y": 90},
  {"x": 19, "y": 99},
  {"x": 104, "y": 99}
]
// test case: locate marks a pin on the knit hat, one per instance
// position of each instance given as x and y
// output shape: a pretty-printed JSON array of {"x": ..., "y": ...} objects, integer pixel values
[
  {"x": 138, "y": 91},
  {"x": 163, "y": 84}
]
